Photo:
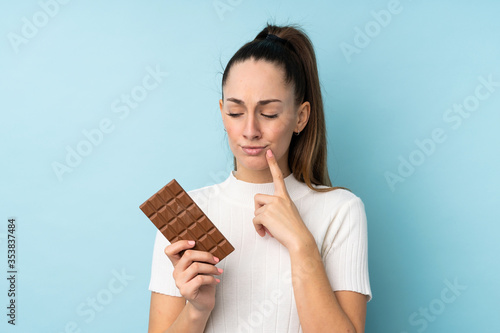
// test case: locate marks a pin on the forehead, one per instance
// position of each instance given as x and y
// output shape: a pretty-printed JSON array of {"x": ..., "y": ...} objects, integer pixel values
[{"x": 259, "y": 79}]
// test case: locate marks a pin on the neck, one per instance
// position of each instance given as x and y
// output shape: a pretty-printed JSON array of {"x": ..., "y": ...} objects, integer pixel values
[
  {"x": 242, "y": 193},
  {"x": 257, "y": 176}
]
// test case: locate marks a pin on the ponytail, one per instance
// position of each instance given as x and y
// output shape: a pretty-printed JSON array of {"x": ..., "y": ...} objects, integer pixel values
[{"x": 293, "y": 51}]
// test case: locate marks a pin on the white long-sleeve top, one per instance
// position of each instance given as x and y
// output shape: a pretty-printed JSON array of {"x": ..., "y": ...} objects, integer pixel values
[{"x": 255, "y": 293}]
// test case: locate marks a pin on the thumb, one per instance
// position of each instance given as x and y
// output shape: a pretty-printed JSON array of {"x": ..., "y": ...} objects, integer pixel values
[
  {"x": 261, "y": 230},
  {"x": 267, "y": 231}
]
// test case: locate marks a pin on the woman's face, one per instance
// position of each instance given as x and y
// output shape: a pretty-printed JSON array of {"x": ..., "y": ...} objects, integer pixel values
[{"x": 259, "y": 113}]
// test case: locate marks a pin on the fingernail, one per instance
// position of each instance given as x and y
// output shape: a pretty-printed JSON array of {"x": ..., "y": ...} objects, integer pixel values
[
  {"x": 217, "y": 280},
  {"x": 191, "y": 242},
  {"x": 220, "y": 270},
  {"x": 269, "y": 153},
  {"x": 216, "y": 259}
]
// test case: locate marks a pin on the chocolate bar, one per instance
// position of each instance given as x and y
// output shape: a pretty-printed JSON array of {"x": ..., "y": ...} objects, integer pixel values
[{"x": 178, "y": 217}]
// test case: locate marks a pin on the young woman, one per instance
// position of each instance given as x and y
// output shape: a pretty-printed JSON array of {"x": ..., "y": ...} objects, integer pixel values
[{"x": 300, "y": 262}]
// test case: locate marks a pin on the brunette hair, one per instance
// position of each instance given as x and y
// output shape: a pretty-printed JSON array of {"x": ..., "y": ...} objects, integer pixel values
[{"x": 293, "y": 51}]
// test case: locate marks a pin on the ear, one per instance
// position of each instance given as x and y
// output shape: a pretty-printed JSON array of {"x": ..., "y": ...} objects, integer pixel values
[
  {"x": 221, "y": 106},
  {"x": 303, "y": 116}
]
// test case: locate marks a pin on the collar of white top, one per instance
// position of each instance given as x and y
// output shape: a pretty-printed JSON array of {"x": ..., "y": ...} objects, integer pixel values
[{"x": 244, "y": 192}]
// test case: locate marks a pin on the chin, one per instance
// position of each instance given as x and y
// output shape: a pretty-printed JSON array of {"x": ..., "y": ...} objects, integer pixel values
[{"x": 259, "y": 163}]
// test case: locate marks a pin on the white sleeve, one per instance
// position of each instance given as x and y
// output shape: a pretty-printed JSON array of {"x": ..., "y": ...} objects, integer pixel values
[
  {"x": 346, "y": 245},
  {"x": 162, "y": 280}
]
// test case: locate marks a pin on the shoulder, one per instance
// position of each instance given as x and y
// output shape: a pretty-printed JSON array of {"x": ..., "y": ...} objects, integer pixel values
[
  {"x": 333, "y": 208},
  {"x": 205, "y": 190},
  {"x": 201, "y": 191},
  {"x": 205, "y": 194},
  {"x": 201, "y": 195},
  {"x": 342, "y": 209},
  {"x": 347, "y": 220},
  {"x": 337, "y": 198}
]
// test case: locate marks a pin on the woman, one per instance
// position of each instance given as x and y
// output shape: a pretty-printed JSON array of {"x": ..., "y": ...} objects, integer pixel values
[{"x": 300, "y": 259}]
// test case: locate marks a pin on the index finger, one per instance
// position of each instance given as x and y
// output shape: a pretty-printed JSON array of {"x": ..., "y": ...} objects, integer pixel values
[
  {"x": 279, "y": 182},
  {"x": 174, "y": 251}
]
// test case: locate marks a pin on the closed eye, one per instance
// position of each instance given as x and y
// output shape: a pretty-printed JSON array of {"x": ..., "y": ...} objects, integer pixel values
[{"x": 235, "y": 115}]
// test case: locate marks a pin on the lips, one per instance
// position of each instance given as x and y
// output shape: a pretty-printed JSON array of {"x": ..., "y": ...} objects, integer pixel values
[{"x": 253, "y": 150}]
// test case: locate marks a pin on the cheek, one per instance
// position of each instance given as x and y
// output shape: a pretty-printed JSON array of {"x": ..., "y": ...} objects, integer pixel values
[
  {"x": 279, "y": 130},
  {"x": 234, "y": 129},
  {"x": 231, "y": 134}
]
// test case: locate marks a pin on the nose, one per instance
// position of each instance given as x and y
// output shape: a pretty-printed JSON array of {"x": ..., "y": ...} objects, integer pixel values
[{"x": 252, "y": 127}]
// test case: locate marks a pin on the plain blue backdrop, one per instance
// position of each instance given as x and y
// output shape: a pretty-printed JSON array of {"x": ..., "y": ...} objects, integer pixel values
[{"x": 103, "y": 103}]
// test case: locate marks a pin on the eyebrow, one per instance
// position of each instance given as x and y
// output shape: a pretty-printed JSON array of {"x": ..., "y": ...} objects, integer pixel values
[{"x": 263, "y": 102}]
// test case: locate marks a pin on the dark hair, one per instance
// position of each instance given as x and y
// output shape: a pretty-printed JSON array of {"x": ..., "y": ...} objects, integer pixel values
[{"x": 293, "y": 51}]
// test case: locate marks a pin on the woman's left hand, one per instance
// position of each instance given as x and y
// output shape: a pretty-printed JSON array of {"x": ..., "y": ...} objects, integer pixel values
[{"x": 277, "y": 214}]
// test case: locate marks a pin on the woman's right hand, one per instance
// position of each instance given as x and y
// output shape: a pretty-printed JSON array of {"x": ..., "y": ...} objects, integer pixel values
[{"x": 193, "y": 274}]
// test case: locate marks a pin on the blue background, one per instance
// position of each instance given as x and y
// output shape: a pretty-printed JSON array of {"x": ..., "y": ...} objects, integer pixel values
[{"x": 435, "y": 226}]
